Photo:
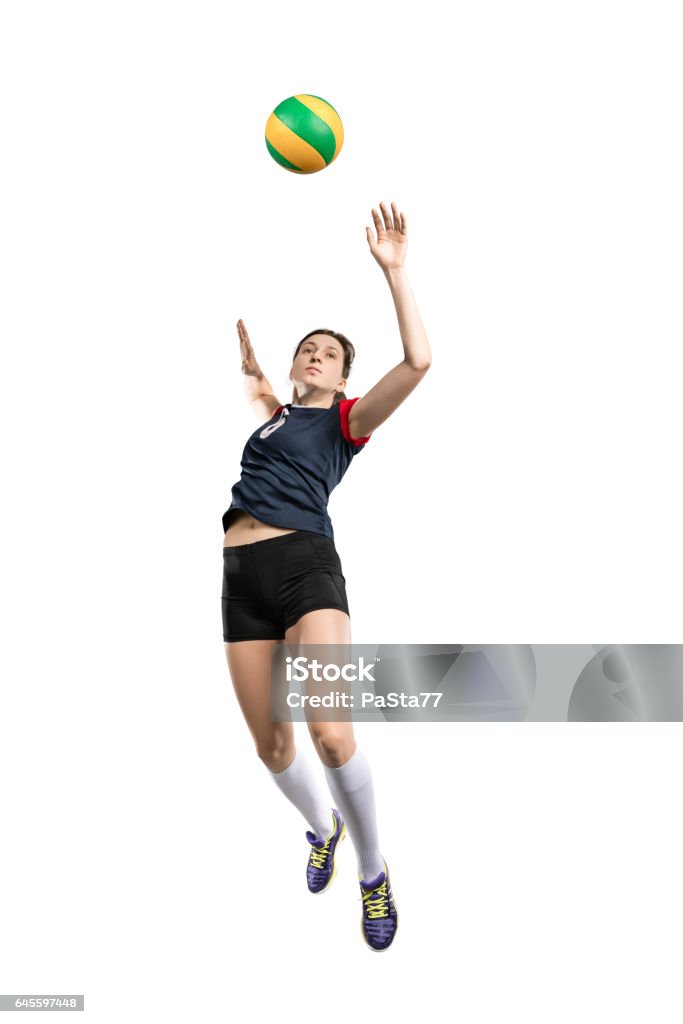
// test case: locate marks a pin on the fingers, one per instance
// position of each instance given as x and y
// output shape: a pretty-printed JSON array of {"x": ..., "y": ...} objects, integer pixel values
[
  {"x": 400, "y": 222},
  {"x": 394, "y": 220},
  {"x": 378, "y": 222},
  {"x": 245, "y": 344},
  {"x": 246, "y": 351}
]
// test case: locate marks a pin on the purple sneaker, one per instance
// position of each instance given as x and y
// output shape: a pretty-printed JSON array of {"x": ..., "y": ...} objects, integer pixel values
[
  {"x": 380, "y": 917},
  {"x": 321, "y": 867}
]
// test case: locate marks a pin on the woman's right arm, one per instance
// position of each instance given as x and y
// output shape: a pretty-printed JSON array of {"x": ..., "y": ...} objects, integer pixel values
[{"x": 256, "y": 385}]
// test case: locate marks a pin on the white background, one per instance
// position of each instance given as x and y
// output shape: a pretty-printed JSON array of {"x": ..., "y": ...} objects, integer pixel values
[{"x": 525, "y": 492}]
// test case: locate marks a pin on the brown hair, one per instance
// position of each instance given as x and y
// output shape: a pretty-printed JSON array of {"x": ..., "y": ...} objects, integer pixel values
[{"x": 349, "y": 354}]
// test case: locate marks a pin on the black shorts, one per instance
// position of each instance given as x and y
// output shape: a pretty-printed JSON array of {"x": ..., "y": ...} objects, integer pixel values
[{"x": 270, "y": 584}]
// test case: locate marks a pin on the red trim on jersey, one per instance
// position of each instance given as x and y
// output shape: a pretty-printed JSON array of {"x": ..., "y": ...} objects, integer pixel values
[
  {"x": 279, "y": 409},
  {"x": 345, "y": 407}
]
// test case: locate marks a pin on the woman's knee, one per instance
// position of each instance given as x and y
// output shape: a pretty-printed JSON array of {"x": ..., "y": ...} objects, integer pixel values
[
  {"x": 276, "y": 752},
  {"x": 334, "y": 746}
]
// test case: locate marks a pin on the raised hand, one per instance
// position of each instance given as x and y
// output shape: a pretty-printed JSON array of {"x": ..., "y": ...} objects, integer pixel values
[
  {"x": 391, "y": 245},
  {"x": 249, "y": 365}
]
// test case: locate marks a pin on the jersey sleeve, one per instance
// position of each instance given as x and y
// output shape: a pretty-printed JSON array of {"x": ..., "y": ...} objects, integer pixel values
[{"x": 345, "y": 407}]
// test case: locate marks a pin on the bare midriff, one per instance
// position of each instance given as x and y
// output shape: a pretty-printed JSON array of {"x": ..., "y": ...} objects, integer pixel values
[{"x": 244, "y": 529}]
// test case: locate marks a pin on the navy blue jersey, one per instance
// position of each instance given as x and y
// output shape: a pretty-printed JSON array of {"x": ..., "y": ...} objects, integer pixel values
[{"x": 291, "y": 465}]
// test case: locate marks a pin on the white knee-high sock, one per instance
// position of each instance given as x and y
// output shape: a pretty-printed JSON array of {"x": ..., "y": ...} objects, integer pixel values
[
  {"x": 301, "y": 787},
  {"x": 354, "y": 796}
]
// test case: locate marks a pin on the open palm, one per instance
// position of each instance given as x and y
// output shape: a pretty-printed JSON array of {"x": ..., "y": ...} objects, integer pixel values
[{"x": 391, "y": 245}]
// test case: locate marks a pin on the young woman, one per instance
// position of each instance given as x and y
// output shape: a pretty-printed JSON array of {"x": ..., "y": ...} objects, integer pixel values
[{"x": 283, "y": 579}]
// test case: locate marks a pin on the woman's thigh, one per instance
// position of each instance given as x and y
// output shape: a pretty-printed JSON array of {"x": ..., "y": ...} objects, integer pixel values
[
  {"x": 330, "y": 730},
  {"x": 323, "y": 626},
  {"x": 249, "y": 662}
]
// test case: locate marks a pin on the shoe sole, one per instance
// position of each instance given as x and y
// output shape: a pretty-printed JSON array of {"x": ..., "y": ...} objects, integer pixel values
[{"x": 341, "y": 839}]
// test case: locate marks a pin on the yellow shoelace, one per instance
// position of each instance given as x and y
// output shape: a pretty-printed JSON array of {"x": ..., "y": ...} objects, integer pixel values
[
  {"x": 378, "y": 907},
  {"x": 318, "y": 854}
]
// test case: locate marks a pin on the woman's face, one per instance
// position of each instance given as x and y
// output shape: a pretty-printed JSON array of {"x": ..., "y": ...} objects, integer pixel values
[{"x": 318, "y": 366}]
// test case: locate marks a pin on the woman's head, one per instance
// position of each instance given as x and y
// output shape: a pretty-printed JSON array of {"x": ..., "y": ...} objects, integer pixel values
[{"x": 332, "y": 355}]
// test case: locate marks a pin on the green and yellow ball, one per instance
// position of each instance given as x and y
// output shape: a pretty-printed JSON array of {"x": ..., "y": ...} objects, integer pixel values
[{"x": 304, "y": 134}]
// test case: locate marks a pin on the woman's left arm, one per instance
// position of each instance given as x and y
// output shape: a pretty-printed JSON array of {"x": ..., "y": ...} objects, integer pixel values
[{"x": 389, "y": 249}]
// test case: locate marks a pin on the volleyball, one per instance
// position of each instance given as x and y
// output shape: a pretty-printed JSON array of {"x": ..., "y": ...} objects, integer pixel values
[{"x": 304, "y": 134}]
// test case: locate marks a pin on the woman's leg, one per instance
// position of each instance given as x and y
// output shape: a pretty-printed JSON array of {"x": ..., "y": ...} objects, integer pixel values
[
  {"x": 346, "y": 768},
  {"x": 249, "y": 662}
]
